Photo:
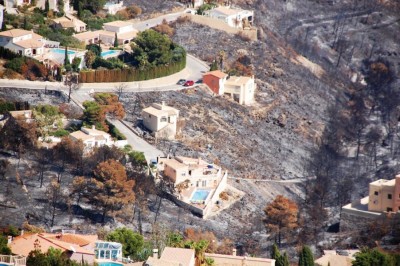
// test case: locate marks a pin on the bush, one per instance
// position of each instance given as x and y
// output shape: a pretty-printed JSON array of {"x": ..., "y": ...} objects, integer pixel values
[
  {"x": 15, "y": 64},
  {"x": 60, "y": 133},
  {"x": 223, "y": 195},
  {"x": 112, "y": 63}
]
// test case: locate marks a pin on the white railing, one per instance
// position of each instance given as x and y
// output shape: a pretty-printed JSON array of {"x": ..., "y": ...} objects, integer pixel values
[{"x": 13, "y": 260}]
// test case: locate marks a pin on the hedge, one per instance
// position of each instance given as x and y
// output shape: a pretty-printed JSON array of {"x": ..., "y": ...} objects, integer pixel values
[{"x": 130, "y": 74}]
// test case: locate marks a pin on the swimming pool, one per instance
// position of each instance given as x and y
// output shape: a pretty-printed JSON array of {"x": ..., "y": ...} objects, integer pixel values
[
  {"x": 110, "y": 52},
  {"x": 200, "y": 195},
  {"x": 109, "y": 264},
  {"x": 61, "y": 51}
]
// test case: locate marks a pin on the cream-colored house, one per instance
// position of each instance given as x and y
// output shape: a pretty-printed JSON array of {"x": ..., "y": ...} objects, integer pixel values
[
  {"x": 22, "y": 42},
  {"x": 124, "y": 31},
  {"x": 91, "y": 137},
  {"x": 234, "y": 17},
  {"x": 69, "y": 22},
  {"x": 234, "y": 260},
  {"x": 161, "y": 120},
  {"x": 384, "y": 195},
  {"x": 241, "y": 89}
]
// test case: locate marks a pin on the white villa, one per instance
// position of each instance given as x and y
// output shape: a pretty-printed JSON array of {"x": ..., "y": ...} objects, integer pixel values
[
  {"x": 234, "y": 17},
  {"x": 2, "y": 8},
  {"x": 112, "y": 7},
  {"x": 91, "y": 137},
  {"x": 197, "y": 184},
  {"x": 161, "y": 120},
  {"x": 124, "y": 31},
  {"x": 23, "y": 42}
]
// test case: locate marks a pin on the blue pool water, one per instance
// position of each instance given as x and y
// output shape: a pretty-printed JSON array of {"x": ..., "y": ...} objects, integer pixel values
[
  {"x": 109, "y": 264},
  {"x": 200, "y": 194},
  {"x": 109, "y": 52},
  {"x": 61, "y": 51}
]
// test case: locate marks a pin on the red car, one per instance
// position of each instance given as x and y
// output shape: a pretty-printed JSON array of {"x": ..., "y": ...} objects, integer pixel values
[{"x": 189, "y": 83}]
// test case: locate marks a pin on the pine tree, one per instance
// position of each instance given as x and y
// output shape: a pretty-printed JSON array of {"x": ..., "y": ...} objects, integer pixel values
[
  {"x": 116, "y": 40},
  {"x": 306, "y": 257},
  {"x": 66, "y": 59},
  {"x": 76, "y": 5},
  {"x": 3, "y": 26},
  {"x": 79, "y": 9},
  {"x": 275, "y": 254},
  {"x": 285, "y": 259},
  {"x": 25, "y": 26},
  {"x": 46, "y": 6}
]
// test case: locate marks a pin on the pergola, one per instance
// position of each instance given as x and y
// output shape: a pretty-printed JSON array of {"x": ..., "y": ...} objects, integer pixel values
[{"x": 108, "y": 250}]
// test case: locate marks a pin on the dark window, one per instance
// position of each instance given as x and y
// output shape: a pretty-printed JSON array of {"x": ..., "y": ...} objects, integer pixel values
[
  {"x": 389, "y": 209},
  {"x": 376, "y": 193},
  {"x": 389, "y": 196}
]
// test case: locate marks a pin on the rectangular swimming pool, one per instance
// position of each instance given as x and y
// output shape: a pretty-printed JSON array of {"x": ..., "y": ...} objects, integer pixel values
[
  {"x": 61, "y": 51},
  {"x": 110, "y": 52},
  {"x": 200, "y": 194},
  {"x": 109, "y": 264}
]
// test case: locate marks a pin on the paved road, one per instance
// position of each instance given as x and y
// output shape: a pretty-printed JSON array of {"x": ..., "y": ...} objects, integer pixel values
[
  {"x": 138, "y": 144},
  {"x": 146, "y": 24}
]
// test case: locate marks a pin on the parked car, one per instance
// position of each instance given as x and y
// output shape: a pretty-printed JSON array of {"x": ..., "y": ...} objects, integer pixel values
[
  {"x": 189, "y": 83},
  {"x": 200, "y": 81},
  {"x": 181, "y": 82}
]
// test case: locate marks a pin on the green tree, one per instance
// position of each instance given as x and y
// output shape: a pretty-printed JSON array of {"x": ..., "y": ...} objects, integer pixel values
[
  {"x": 46, "y": 6},
  {"x": 132, "y": 243},
  {"x": 96, "y": 49},
  {"x": 116, "y": 41},
  {"x": 4, "y": 249},
  {"x": 275, "y": 254},
  {"x": 214, "y": 66},
  {"x": 66, "y": 59},
  {"x": 46, "y": 116},
  {"x": 372, "y": 257},
  {"x": 37, "y": 258},
  {"x": 60, "y": 7},
  {"x": 283, "y": 260},
  {"x": 306, "y": 257},
  {"x": 75, "y": 63}
]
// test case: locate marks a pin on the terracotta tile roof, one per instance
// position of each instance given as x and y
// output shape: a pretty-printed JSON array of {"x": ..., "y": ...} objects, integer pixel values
[
  {"x": 128, "y": 35},
  {"x": 174, "y": 164},
  {"x": 69, "y": 22},
  {"x": 334, "y": 259},
  {"x": 22, "y": 245},
  {"x": 181, "y": 255},
  {"x": 216, "y": 73},
  {"x": 87, "y": 35},
  {"x": 161, "y": 262},
  {"x": 15, "y": 33},
  {"x": 79, "y": 135},
  {"x": 31, "y": 43},
  {"x": 118, "y": 23}
]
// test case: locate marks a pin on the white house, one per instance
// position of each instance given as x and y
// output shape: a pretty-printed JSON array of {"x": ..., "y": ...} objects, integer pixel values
[
  {"x": 112, "y": 7},
  {"x": 236, "y": 18},
  {"x": 9, "y": 4},
  {"x": 161, "y": 120},
  {"x": 241, "y": 89},
  {"x": 22, "y": 42},
  {"x": 91, "y": 137},
  {"x": 119, "y": 26}
]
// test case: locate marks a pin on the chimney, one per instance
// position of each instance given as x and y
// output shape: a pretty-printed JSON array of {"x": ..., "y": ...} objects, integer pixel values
[
  {"x": 234, "y": 252},
  {"x": 22, "y": 232},
  {"x": 9, "y": 239},
  {"x": 93, "y": 127},
  {"x": 163, "y": 103},
  {"x": 155, "y": 253},
  {"x": 198, "y": 160}
]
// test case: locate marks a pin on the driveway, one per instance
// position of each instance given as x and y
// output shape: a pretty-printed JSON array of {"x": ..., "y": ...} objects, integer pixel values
[{"x": 137, "y": 143}]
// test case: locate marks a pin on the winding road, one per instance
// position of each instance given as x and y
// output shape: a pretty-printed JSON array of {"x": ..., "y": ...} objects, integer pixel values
[{"x": 193, "y": 71}]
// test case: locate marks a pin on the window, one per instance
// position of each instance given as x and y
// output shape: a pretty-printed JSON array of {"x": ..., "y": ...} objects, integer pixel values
[
  {"x": 389, "y": 209},
  {"x": 204, "y": 183},
  {"x": 163, "y": 119},
  {"x": 376, "y": 193},
  {"x": 389, "y": 196},
  {"x": 149, "y": 116},
  {"x": 183, "y": 174},
  {"x": 375, "y": 202}
]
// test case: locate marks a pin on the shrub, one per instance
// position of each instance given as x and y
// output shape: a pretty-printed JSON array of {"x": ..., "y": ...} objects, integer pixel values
[
  {"x": 60, "y": 133},
  {"x": 15, "y": 64},
  {"x": 223, "y": 195}
]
